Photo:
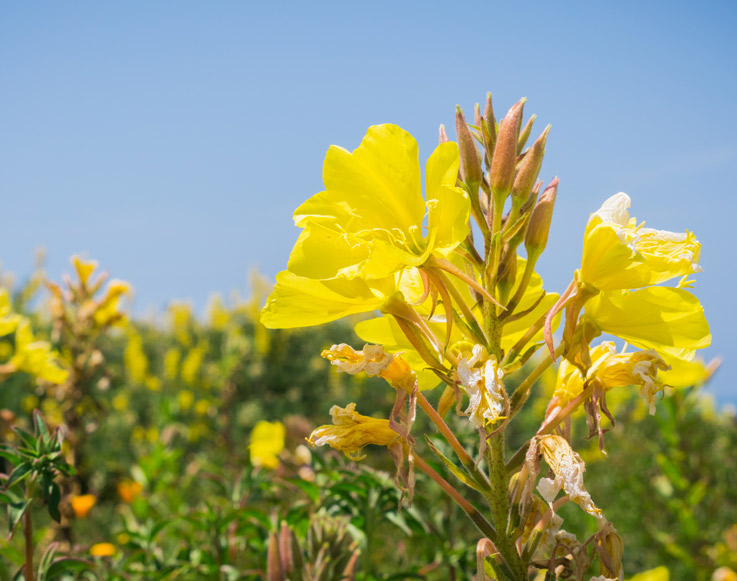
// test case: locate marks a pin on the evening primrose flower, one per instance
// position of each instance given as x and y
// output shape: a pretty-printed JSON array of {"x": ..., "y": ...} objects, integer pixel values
[
  {"x": 102, "y": 550},
  {"x": 35, "y": 357},
  {"x": 267, "y": 441},
  {"x": 611, "y": 369},
  {"x": 8, "y": 319},
  {"x": 619, "y": 254},
  {"x": 351, "y": 432},
  {"x": 368, "y": 222},
  {"x": 481, "y": 377}
]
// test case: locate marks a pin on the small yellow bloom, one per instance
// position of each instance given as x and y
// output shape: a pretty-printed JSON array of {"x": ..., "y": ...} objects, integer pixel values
[
  {"x": 128, "y": 490},
  {"x": 102, "y": 550},
  {"x": 619, "y": 254},
  {"x": 84, "y": 268},
  {"x": 267, "y": 441},
  {"x": 351, "y": 432},
  {"x": 8, "y": 319},
  {"x": 185, "y": 399},
  {"x": 35, "y": 357},
  {"x": 82, "y": 504},
  {"x": 108, "y": 309}
]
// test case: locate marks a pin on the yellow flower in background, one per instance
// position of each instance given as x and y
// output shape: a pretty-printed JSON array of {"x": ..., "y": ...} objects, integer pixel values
[
  {"x": 368, "y": 222},
  {"x": 180, "y": 317},
  {"x": 82, "y": 504},
  {"x": 217, "y": 314},
  {"x": 171, "y": 363},
  {"x": 351, "y": 432},
  {"x": 8, "y": 319},
  {"x": 267, "y": 441},
  {"x": 619, "y": 254},
  {"x": 134, "y": 357},
  {"x": 36, "y": 357},
  {"x": 128, "y": 490},
  {"x": 669, "y": 320},
  {"x": 102, "y": 550},
  {"x": 657, "y": 574},
  {"x": 108, "y": 307},
  {"x": 185, "y": 399},
  {"x": 84, "y": 268}
]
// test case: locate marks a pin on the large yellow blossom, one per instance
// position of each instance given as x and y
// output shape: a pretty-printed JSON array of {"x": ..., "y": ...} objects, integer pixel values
[
  {"x": 619, "y": 254},
  {"x": 368, "y": 222}
]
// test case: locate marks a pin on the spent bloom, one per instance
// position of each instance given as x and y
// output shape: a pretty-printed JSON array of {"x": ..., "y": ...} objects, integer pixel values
[
  {"x": 372, "y": 360},
  {"x": 481, "y": 377},
  {"x": 351, "y": 432},
  {"x": 568, "y": 468}
]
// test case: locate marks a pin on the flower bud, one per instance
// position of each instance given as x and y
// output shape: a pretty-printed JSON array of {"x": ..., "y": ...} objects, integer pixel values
[
  {"x": 525, "y": 134},
  {"x": 529, "y": 170},
  {"x": 537, "y": 232},
  {"x": 470, "y": 170},
  {"x": 443, "y": 134},
  {"x": 505, "y": 153}
]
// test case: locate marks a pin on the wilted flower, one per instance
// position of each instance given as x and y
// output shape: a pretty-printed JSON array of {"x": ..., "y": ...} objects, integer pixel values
[
  {"x": 481, "y": 377},
  {"x": 351, "y": 432}
]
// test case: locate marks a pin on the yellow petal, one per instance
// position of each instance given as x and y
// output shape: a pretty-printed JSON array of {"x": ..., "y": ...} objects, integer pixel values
[
  {"x": 322, "y": 252},
  {"x": 376, "y": 186},
  {"x": 669, "y": 320},
  {"x": 301, "y": 302}
]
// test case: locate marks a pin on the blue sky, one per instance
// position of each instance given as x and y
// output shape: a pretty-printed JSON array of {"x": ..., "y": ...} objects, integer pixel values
[{"x": 172, "y": 140}]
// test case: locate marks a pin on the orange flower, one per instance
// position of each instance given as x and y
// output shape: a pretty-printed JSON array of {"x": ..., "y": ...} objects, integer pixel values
[
  {"x": 128, "y": 490},
  {"x": 102, "y": 550},
  {"x": 81, "y": 505}
]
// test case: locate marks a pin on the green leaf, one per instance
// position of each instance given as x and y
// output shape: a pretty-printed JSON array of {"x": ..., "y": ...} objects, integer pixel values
[
  {"x": 457, "y": 472},
  {"x": 19, "y": 473},
  {"x": 53, "y": 500},
  {"x": 16, "y": 510}
]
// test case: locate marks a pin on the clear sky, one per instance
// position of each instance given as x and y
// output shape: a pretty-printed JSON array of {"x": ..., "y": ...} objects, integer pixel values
[{"x": 171, "y": 141}]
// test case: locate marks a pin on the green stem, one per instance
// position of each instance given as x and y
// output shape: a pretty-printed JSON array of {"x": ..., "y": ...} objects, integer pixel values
[
  {"x": 28, "y": 533},
  {"x": 522, "y": 393},
  {"x": 478, "y": 519}
]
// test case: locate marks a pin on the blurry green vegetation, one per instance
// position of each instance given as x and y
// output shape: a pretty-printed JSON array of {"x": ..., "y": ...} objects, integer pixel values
[{"x": 166, "y": 415}]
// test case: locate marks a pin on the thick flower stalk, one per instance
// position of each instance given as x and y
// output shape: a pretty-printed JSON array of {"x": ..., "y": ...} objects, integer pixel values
[{"x": 450, "y": 282}]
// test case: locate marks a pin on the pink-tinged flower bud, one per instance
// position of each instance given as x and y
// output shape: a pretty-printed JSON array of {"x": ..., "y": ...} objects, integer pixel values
[
  {"x": 525, "y": 134},
  {"x": 537, "y": 232},
  {"x": 470, "y": 170},
  {"x": 489, "y": 117},
  {"x": 443, "y": 134},
  {"x": 529, "y": 169},
  {"x": 505, "y": 153},
  {"x": 477, "y": 119}
]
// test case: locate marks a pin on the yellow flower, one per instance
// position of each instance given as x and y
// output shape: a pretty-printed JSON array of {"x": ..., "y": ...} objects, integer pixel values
[
  {"x": 619, "y": 254},
  {"x": 657, "y": 574},
  {"x": 134, "y": 357},
  {"x": 369, "y": 220},
  {"x": 669, "y": 320},
  {"x": 84, "y": 269},
  {"x": 611, "y": 369},
  {"x": 82, "y": 504},
  {"x": 128, "y": 490},
  {"x": 102, "y": 550},
  {"x": 8, "y": 319},
  {"x": 482, "y": 379},
  {"x": 108, "y": 308},
  {"x": 267, "y": 441},
  {"x": 35, "y": 357},
  {"x": 351, "y": 432}
]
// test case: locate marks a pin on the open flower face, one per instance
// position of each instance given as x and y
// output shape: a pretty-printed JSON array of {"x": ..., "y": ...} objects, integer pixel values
[
  {"x": 368, "y": 222},
  {"x": 619, "y": 254}
]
